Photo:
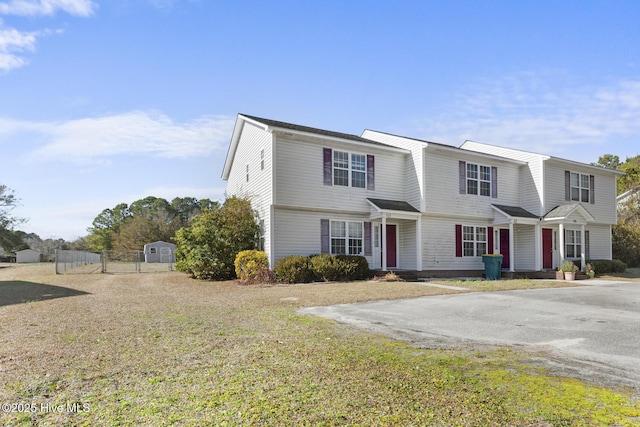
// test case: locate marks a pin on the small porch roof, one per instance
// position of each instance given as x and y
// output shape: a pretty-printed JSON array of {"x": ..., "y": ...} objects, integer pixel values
[
  {"x": 562, "y": 213},
  {"x": 514, "y": 214},
  {"x": 393, "y": 209}
]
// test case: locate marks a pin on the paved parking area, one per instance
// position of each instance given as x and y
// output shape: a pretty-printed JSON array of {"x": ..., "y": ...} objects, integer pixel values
[{"x": 592, "y": 332}]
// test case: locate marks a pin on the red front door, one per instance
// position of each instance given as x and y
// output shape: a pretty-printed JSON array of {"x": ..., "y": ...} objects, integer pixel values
[
  {"x": 504, "y": 248},
  {"x": 391, "y": 246},
  {"x": 547, "y": 248}
]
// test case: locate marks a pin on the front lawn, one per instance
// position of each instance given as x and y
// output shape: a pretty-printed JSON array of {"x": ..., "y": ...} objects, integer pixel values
[{"x": 162, "y": 349}]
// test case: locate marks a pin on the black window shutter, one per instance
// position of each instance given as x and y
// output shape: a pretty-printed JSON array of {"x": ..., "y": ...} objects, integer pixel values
[
  {"x": 567, "y": 185},
  {"x": 494, "y": 182},
  {"x": 462, "y": 176},
  {"x": 592, "y": 190},
  {"x": 328, "y": 165},
  {"x": 367, "y": 239},
  {"x": 371, "y": 172},
  {"x": 324, "y": 236}
]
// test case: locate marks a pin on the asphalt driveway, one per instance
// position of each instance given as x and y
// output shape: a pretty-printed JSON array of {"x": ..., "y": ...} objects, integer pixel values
[{"x": 590, "y": 332}]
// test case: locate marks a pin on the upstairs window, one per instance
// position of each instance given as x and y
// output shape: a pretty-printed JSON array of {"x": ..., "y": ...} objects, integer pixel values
[
  {"x": 478, "y": 179},
  {"x": 348, "y": 169},
  {"x": 580, "y": 187}
]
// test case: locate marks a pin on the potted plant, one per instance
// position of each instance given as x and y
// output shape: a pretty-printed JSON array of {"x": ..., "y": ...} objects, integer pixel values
[
  {"x": 559, "y": 274},
  {"x": 589, "y": 271},
  {"x": 569, "y": 269}
]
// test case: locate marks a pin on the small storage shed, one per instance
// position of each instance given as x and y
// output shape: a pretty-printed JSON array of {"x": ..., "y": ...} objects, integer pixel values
[
  {"x": 160, "y": 252},
  {"x": 28, "y": 255}
]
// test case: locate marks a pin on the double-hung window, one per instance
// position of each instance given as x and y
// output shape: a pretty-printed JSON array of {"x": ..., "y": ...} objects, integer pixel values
[
  {"x": 573, "y": 244},
  {"x": 474, "y": 241},
  {"x": 347, "y": 238},
  {"x": 580, "y": 187},
  {"x": 478, "y": 179},
  {"x": 349, "y": 169}
]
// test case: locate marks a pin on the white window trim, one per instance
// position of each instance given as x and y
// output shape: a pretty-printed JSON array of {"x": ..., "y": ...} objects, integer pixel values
[
  {"x": 577, "y": 243},
  {"x": 347, "y": 237},
  {"x": 579, "y": 186},
  {"x": 350, "y": 170},
  {"x": 475, "y": 241},
  {"x": 478, "y": 180}
]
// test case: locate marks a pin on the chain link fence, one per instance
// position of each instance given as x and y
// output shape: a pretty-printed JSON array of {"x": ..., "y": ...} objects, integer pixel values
[{"x": 114, "y": 262}]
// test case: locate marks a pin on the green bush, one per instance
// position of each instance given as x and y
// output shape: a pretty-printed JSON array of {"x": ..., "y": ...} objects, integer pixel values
[
  {"x": 607, "y": 266},
  {"x": 293, "y": 269},
  {"x": 251, "y": 264},
  {"x": 208, "y": 248},
  {"x": 354, "y": 267},
  {"x": 326, "y": 267},
  {"x": 341, "y": 267}
]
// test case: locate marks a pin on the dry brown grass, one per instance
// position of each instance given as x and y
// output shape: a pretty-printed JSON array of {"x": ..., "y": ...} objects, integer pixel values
[{"x": 162, "y": 349}]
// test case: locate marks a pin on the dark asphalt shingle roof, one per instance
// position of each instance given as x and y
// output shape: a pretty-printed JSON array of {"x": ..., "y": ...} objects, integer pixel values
[
  {"x": 393, "y": 205},
  {"x": 516, "y": 211},
  {"x": 307, "y": 129}
]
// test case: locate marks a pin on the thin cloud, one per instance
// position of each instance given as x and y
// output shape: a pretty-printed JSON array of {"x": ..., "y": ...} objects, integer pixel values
[
  {"x": 524, "y": 112},
  {"x": 15, "y": 43},
  {"x": 48, "y": 7},
  {"x": 133, "y": 133}
]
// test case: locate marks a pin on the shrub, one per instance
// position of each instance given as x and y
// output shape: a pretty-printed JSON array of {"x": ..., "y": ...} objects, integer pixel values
[
  {"x": 250, "y": 264},
  {"x": 208, "y": 248},
  {"x": 326, "y": 267},
  {"x": 354, "y": 267},
  {"x": 293, "y": 269},
  {"x": 607, "y": 266}
]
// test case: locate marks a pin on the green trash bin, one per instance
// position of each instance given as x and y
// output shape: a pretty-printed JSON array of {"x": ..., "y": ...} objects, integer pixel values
[{"x": 492, "y": 266}]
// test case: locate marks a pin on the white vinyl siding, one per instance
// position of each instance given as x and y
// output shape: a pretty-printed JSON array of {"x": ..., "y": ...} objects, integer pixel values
[
  {"x": 439, "y": 246},
  {"x": 301, "y": 182},
  {"x": 413, "y": 169},
  {"x": 299, "y": 232}
]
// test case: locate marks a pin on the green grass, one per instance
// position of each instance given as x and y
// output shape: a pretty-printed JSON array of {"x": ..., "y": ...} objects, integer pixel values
[{"x": 164, "y": 350}]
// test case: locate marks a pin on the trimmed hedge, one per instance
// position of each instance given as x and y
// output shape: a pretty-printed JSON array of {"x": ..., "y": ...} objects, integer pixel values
[
  {"x": 293, "y": 269},
  {"x": 607, "y": 266},
  {"x": 301, "y": 269}
]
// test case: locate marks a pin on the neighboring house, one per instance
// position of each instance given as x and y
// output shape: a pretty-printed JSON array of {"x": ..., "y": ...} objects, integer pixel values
[
  {"x": 28, "y": 255},
  {"x": 159, "y": 252},
  {"x": 409, "y": 204}
]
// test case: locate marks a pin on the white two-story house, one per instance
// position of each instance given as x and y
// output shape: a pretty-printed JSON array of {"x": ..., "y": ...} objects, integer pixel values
[{"x": 414, "y": 205}]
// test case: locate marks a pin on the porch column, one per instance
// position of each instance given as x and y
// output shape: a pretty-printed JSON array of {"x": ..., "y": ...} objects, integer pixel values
[
  {"x": 384, "y": 242},
  {"x": 419, "y": 243},
  {"x": 583, "y": 255},
  {"x": 561, "y": 241},
  {"x": 538, "y": 247},
  {"x": 512, "y": 252}
]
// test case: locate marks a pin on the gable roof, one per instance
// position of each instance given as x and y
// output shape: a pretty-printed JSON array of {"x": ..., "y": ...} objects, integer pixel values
[
  {"x": 274, "y": 125},
  {"x": 307, "y": 129},
  {"x": 564, "y": 211}
]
